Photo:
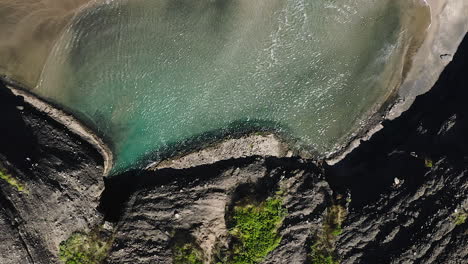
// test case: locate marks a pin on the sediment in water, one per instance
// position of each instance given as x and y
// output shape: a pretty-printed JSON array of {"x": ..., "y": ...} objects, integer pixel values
[{"x": 410, "y": 69}]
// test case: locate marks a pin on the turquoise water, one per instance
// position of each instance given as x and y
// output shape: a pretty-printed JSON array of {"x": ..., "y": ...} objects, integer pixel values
[{"x": 158, "y": 77}]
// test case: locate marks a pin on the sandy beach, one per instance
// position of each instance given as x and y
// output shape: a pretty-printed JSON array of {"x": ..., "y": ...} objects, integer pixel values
[{"x": 449, "y": 24}]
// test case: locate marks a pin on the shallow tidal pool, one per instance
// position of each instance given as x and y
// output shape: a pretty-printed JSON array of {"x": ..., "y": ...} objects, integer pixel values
[{"x": 156, "y": 78}]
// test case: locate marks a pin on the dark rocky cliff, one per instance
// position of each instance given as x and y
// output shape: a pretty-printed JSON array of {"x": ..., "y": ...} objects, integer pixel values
[
  {"x": 409, "y": 183},
  {"x": 405, "y": 192},
  {"x": 50, "y": 186}
]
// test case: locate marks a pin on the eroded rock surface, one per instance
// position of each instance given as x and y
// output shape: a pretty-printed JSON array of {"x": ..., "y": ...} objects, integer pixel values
[
  {"x": 196, "y": 201},
  {"x": 60, "y": 179},
  {"x": 250, "y": 145},
  {"x": 409, "y": 183}
]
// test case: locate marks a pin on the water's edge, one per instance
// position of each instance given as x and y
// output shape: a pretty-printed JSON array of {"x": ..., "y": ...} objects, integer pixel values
[
  {"x": 449, "y": 25},
  {"x": 67, "y": 120},
  {"x": 443, "y": 27}
]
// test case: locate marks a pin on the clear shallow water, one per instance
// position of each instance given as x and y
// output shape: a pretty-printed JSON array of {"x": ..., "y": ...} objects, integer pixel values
[{"x": 156, "y": 77}]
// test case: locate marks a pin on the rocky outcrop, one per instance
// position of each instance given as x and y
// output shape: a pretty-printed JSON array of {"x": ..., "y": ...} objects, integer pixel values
[
  {"x": 409, "y": 183},
  {"x": 406, "y": 189},
  {"x": 258, "y": 144},
  {"x": 166, "y": 204},
  {"x": 53, "y": 188},
  {"x": 414, "y": 220}
]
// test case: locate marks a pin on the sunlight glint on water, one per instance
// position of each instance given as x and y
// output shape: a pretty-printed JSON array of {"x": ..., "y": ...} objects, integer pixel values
[{"x": 157, "y": 76}]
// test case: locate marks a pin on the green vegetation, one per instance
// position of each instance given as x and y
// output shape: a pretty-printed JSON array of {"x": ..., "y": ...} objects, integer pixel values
[
  {"x": 319, "y": 256},
  {"x": 336, "y": 214},
  {"x": 460, "y": 218},
  {"x": 12, "y": 181},
  {"x": 187, "y": 254},
  {"x": 255, "y": 230},
  {"x": 84, "y": 248},
  {"x": 322, "y": 251},
  {"x": 261, "y": 133},
  {"x": 428, "y": 163},
  {"x": 336, "y": 231}
]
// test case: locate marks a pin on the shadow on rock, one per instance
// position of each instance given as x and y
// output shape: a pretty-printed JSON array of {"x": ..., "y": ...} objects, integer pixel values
[{"x": 16, "y": 140}]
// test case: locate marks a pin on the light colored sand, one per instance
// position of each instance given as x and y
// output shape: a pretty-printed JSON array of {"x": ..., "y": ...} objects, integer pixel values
[
  {"x": 448, "y": 27},
  {"x": 449, "y": 24}
]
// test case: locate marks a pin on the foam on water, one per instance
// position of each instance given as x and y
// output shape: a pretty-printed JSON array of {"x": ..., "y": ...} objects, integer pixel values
[{"x": 158, "y": 77}]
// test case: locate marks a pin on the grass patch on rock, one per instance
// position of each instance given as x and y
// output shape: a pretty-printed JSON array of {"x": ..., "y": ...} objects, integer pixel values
[
  {"x": 187, "y": 254},
  {"x": 12, "y": 181},
  {"x": 255, "y": 230},
  {"x": 322, "y": 250},
  {"x": 320, "y": 256},
  {"x": 84, "y": 248},
  {"x": 460, "y": 218}
]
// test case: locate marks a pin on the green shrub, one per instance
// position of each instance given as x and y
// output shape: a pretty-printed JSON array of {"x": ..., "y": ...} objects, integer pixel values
[
  {"x": 82, "y": 248},
  {"x": 187, "y": 254},
  {"x": 255, "y": 230},
  {"x": 321, "y": 256}
]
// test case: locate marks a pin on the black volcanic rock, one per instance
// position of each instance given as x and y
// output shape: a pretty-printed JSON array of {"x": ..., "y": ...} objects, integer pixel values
[
  {"x": 16, "y": 139},
  {"x": 62, "y": 179},
  {"x": 404, "y": 190},
  {"x": 410, "y": 181},
  {"x": 196, "y": 202}
]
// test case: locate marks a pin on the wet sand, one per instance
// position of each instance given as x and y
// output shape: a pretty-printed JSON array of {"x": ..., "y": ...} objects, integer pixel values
[{"x": 449, "y": 24}]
